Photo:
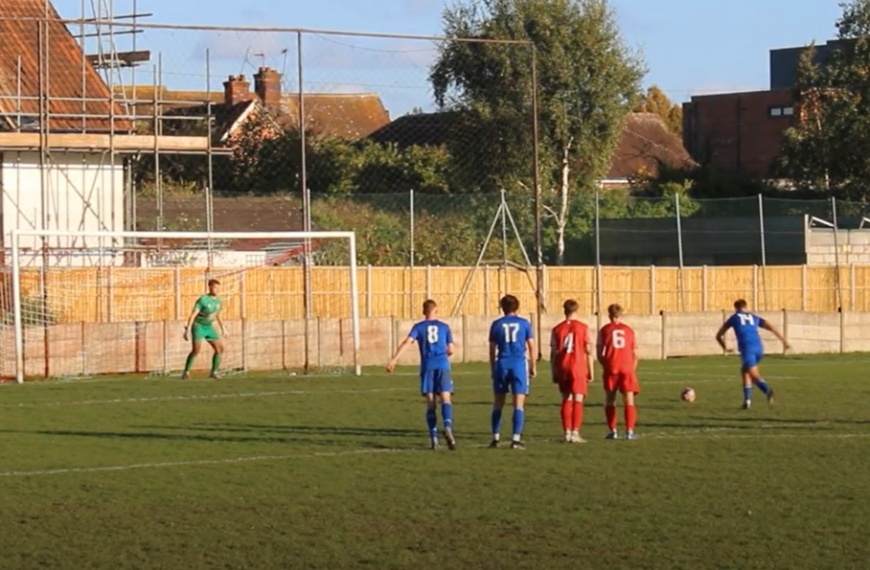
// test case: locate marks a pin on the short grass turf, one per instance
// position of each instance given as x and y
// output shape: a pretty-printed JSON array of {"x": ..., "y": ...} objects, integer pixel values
[{"x": 280, "y": 471}]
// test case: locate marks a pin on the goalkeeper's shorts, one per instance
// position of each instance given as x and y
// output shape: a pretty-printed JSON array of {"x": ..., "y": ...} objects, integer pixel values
[{"x": 204, "y": 332}]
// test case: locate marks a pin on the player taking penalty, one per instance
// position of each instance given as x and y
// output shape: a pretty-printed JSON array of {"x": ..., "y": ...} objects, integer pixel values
[
  {"x": 510, "y": 341},
  {"x": 436, "y": 346},
  {"x": 200, "y": 327},
  {"x": 751, "y": 349},
  {"x": 617, "y": 353},
  {"x": 571, "y": 363}
]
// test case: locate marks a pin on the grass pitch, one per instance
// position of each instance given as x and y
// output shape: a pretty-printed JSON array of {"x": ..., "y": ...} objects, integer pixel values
[{"x": 274, "y": 471}]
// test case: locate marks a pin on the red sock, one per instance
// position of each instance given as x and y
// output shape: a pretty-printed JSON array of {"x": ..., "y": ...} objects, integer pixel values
[
  {"x": 566, "y": 414},
  {"x": 630, "y": 417},
  {"x": 610, "y": 413},
  {"x": 578, "y": 416}
]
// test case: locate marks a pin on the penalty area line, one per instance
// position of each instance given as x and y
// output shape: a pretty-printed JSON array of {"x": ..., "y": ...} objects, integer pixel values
[{"x": 203, "y": 462}]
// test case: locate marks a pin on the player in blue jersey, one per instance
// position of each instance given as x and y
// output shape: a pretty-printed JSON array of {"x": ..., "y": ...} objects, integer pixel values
[
  {"x": 436, "y": 346},
  {"x": 512, "y": 361},
  {"x": 750, "y": 347}
]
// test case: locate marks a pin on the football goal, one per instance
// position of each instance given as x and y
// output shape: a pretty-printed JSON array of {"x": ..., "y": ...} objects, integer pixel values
[{"x": 109, "y": 303}]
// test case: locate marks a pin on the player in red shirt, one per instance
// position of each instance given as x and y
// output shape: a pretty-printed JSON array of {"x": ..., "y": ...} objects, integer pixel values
[
  {"x": 617, "y": 353},
  {"x": 571, "y": 364}
]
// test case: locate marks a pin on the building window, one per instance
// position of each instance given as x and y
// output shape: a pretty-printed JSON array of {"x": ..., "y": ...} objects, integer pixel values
[{"x": 782, "y": 111}]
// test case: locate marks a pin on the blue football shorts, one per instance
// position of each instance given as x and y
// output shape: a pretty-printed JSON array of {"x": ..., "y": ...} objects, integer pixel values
[
  {"x": 750, "y": 358},
  {"x": 511, "y": 376},
  {"x": 436, "y": 381}
]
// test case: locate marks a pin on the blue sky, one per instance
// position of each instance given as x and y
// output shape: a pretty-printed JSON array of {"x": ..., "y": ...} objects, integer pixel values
[{"x": 690, "y": 46}]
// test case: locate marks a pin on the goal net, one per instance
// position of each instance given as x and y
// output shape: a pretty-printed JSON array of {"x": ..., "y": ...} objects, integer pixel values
[{"x": 102, "y": 303}]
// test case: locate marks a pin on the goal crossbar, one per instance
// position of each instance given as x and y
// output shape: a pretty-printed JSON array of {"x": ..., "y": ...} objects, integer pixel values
[{"x": 17, "y": 234}]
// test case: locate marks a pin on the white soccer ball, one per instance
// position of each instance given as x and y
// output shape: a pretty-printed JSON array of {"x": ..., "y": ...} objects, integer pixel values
[{"x": 687, "y": 395}]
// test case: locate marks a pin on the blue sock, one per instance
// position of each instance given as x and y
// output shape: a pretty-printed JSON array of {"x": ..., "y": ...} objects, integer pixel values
[
  {"x": 747, "y": 393},
  {"x": 432, "y": 421},
  {"x": 763, "y": 386},
  {"x": 447, "y": 415},
  {"x": 519, "y": 420},
  {"x": 496, "y": 421}
]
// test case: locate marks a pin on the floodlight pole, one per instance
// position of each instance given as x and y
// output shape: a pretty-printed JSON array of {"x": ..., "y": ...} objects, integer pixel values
[{"x": 536, "y": 181}]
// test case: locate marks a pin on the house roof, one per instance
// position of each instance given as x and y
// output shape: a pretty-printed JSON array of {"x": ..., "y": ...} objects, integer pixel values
[
  {"x": 78, "y": 99},
  {"x": 140, "y": 98},
  {"x": 422, "y": 129},
  {"x": 347, "y": 115},
  {"x": 350, "y": 116},
  {"x": 225, "y": 117},
  {"x": 646, "y": 143}
]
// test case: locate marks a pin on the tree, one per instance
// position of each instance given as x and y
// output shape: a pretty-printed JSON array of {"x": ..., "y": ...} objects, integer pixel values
[
  {"x": 588, "y": 81},
  {"x": 656, "y": 101},
  {"x": 828, "y": 150}
]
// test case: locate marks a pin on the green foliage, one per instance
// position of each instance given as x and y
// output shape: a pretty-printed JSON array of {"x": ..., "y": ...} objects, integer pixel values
[
  {"x": 266, "y": 161},
  {"x": 179, "y": 224},
  {"x": 446, "y": 231},
  {"x": 828, "y": 150},
  {"x": 702, "y": 181},
  {"x": 587, "y": 81},
  {"x": 656, "y": 101}
]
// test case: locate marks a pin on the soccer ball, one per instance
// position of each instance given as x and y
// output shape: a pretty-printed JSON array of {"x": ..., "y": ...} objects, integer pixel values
[{"x": 687, "y": 395}]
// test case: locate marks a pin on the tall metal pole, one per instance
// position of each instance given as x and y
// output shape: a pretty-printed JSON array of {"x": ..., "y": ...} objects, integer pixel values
[
  {"x": 44, "y": 181},
  {"x": 306, "y": 200},
  {"x": 761, "y": 230},
  {"x": 763, "y": 249},
  {"x": 411, "y": 254},
  {"x": 680, "y": 250},
  {"x": 209, "y": 186},
  {"x": 536, "y": 181},
  {"x": 598, "y": 296}
]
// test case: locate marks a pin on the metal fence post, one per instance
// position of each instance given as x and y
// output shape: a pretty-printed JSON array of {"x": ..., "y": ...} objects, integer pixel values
[
  {"x": 839, "y": 297},
  {"x": 763, "y": 250}
]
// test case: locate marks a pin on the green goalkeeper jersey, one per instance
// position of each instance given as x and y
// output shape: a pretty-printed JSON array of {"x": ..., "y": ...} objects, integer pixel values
[{"x": 207, "y": 307}]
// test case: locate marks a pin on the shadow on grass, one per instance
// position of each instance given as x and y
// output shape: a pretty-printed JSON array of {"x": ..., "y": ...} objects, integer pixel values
[
  {"x": 352, "y": 437},
  {"x": 785, "y": 421}
]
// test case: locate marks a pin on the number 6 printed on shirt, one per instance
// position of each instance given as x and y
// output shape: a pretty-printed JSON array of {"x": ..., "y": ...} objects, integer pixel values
[{"x": 618, "y": 338}]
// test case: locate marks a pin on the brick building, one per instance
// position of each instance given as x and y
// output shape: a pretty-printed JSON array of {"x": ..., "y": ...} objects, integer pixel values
[{"x": 744, "y": 131}]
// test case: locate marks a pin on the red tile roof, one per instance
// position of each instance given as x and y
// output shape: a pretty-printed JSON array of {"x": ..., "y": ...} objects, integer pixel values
[
  {"x": 350, "y": 116},
  {"x": 70, "y": 79},
  {"x": 646, "y": 143}
]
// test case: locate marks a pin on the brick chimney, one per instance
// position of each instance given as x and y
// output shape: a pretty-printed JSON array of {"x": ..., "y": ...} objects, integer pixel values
[
  {"x": 267, "y": 85},
  {"x": 237, "y": 89}
]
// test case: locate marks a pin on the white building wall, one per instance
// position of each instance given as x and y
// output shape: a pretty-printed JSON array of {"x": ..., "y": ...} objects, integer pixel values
[{"x": 82, "y": 192}]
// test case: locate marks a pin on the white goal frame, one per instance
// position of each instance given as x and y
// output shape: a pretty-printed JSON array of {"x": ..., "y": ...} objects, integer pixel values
[{"x": 17, "y": 234}]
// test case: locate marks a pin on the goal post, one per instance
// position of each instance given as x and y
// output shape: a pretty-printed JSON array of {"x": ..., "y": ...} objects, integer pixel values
[{"x": 104, "y": 297}]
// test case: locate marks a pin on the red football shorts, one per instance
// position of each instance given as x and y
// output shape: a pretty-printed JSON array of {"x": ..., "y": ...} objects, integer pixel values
[
  {"x": 571, "y": 382},
  {"x": 623, "y": 382}
]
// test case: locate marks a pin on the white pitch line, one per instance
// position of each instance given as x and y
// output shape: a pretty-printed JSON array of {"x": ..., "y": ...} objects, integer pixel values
[
  {"x": 699, "y": 379},
  {"x": 704, "y": 433},
  {"x": 200, "y": 462}
]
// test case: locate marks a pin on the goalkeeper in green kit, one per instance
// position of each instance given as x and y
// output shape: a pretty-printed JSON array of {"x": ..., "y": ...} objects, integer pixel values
[{"x": 200, "y": 327}]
